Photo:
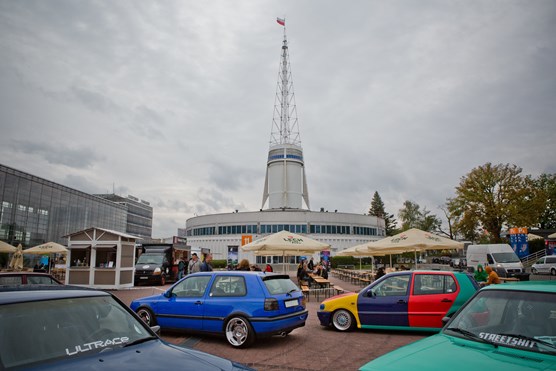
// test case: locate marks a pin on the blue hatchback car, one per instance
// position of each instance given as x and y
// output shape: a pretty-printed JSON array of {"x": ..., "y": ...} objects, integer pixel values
[{"x": 240, "y": 305}]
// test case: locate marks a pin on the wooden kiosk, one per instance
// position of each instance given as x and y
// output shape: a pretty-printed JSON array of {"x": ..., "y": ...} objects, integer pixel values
[{"x": 100, "y": 258}]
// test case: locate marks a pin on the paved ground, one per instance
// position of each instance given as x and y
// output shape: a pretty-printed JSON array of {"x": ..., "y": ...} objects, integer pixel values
[{"x": 312, "y": 347}]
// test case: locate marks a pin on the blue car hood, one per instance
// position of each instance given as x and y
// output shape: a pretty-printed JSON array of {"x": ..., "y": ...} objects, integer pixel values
[
  {"x": 441, "y": 352},
  {"x": 151, "y": 355}
]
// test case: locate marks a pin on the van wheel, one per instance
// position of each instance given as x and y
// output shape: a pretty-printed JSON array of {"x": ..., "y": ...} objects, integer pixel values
[
  {"x": 534, "y": 271},
  {"x": 553, "y": 271}
]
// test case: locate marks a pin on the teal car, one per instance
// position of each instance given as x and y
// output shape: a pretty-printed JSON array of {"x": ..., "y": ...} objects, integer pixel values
[{"x": 502, "y": 327}]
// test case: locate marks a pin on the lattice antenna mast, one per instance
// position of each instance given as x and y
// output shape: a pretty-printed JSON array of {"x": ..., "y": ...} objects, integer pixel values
[{"x": 285, "y": 129}]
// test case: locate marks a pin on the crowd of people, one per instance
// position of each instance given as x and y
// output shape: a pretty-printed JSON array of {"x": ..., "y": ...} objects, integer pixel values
[{"x": 305, "y": 267}]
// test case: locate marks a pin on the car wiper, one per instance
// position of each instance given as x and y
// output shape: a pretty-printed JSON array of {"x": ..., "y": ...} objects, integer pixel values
[
  {"x": 471, "y": 335},
  {"x": 289, "y": 293},
  {"x": 525, "y": 337},
  {"x": 141, "y": 340}
]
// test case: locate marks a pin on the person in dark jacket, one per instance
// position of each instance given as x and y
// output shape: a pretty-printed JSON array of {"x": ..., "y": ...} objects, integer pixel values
[{"x": 206, "y": 266}]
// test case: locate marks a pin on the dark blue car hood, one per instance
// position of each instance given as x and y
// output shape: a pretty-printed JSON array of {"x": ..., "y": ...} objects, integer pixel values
[{"x": 151, "y": 355}]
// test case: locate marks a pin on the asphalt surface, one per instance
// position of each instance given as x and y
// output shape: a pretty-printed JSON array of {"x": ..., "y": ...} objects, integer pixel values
[{"x": 312, "y": 347}]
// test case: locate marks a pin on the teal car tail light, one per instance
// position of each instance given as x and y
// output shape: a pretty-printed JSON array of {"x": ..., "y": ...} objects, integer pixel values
[{"x": 271, "y": 304}]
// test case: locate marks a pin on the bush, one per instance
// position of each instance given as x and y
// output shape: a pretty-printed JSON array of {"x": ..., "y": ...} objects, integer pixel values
[{"x": 219, "y": 264}]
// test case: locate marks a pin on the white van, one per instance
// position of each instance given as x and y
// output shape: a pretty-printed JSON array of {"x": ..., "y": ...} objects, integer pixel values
[
  {"x": 500, "y": 257},
  {"x": 546, "y": 264}
]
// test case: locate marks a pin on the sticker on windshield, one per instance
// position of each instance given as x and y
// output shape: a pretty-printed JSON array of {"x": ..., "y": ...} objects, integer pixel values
[
  {"x": 96, "y": 345},
  {"x": 508, "y": 340}
]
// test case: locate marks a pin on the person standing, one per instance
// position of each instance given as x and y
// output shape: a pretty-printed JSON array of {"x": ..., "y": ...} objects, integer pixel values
[
  {"x": 311, "y": 265},
  {"x": 206, "y": 266},
  {"x": 194, "y": 264},
  {"x": 181, "y": 267}
]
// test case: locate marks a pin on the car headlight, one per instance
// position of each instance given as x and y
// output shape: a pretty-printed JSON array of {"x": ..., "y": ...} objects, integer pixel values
[
  {"x": 322, "y": 307},
  {"x": 157, "y": 270}
]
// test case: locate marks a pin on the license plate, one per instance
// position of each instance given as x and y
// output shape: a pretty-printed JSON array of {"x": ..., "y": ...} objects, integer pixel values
[
  {"x": 291, "y": 303},
  {"x": 143, "y": 278}
]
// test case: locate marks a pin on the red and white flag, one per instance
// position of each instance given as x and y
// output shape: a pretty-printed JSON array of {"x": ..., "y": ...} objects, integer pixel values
[{"x": 281, "y": 21}]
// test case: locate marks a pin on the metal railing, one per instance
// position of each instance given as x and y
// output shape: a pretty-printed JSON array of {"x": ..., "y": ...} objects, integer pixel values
[{"x": 530, "y": 259}]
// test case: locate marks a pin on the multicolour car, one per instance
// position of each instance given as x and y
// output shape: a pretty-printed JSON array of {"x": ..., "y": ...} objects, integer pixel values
[
  {"x": 405, "y": 300},
  {"x": 240, "y": 305},
  {"x": 510, "y": 327}
]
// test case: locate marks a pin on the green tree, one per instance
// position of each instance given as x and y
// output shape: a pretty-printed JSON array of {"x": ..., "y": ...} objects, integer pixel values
[
  {"x": 377, "y": 209},
  {"x": 411, "y": 216},
  {"x": 492, "y": 197},
  {"x": 546, "y": 185}
]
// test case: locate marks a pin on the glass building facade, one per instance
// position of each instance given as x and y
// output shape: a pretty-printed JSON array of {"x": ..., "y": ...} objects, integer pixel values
[
  {"x": 139, "y": 214},
  {"x": 34, "y": 210}
]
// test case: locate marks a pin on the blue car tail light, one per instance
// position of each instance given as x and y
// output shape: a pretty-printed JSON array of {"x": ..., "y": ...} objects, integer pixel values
[{"x": 271, "y": 304}]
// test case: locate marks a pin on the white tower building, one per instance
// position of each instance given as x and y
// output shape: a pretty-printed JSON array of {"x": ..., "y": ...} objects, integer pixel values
[{"x": 285, "y": 182}]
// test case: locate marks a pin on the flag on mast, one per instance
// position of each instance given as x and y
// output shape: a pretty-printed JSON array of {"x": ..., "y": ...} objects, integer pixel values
[{"x": 281, "y": 21}]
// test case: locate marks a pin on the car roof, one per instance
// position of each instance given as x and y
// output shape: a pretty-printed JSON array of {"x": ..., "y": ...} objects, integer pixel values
[
  {"x": 429, "y": 271},
  {"x": 27, "y": 293},
  {"x": 243, "y": 273},
  {"x": 25, "y": 274},
  {"x": 538, "y": 286}
]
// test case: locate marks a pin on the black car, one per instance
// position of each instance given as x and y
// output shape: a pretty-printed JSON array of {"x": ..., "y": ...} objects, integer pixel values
[{"x": 72, "y": 328}]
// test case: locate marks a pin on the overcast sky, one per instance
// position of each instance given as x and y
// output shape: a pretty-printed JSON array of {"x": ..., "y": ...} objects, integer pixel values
[{"x": 172, "y": 101}]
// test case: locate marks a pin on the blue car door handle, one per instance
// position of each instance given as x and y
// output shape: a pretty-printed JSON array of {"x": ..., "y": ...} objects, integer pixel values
[
  {"x": 446, "y": 300},
  {"x": 401, "y": 301},
  {"x": 198, "y": 302}
]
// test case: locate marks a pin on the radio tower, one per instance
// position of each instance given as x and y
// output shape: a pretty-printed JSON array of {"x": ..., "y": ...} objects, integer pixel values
[{"x": 285, "y": 181}]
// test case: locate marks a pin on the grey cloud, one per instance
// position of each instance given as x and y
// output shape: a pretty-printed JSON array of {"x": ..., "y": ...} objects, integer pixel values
[
  {"x": 56, "y": 153},
  {"x": 82, "y": 184},
  {"x": 93, "y": 100}
]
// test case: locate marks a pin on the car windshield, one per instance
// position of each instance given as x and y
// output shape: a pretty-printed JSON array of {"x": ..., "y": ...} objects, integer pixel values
[
  {"x": 506, "y": 257},
  {"x": 150, "y": 259},
  {"x": 516, "y": 319},
  {"x": 278, "y": 286},
  {"x": 39, "y": 331}
]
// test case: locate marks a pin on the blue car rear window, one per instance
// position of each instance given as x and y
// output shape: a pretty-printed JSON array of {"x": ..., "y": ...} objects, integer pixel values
[{"x": 279, "y": 285}]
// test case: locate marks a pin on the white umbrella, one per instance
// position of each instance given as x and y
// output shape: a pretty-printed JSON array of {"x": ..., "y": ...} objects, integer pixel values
[
  {"x": 286, "y": 244},
  {"x": 553, "y": 235},
  {"x": 47, "y": 248},
  {"x": 6, "y": 247},
  {"x": 531, "y": 237},
  {"x": 413, "y": 240}
]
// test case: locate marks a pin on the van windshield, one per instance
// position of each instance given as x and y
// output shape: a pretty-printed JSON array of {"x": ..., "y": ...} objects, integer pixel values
[
  {"x": 150, "y": 259},
  {"x": 505, "y": 257}
]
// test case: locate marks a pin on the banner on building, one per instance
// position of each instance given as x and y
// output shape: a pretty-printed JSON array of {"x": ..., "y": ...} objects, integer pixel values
[{"x": 232, "y": 256}]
